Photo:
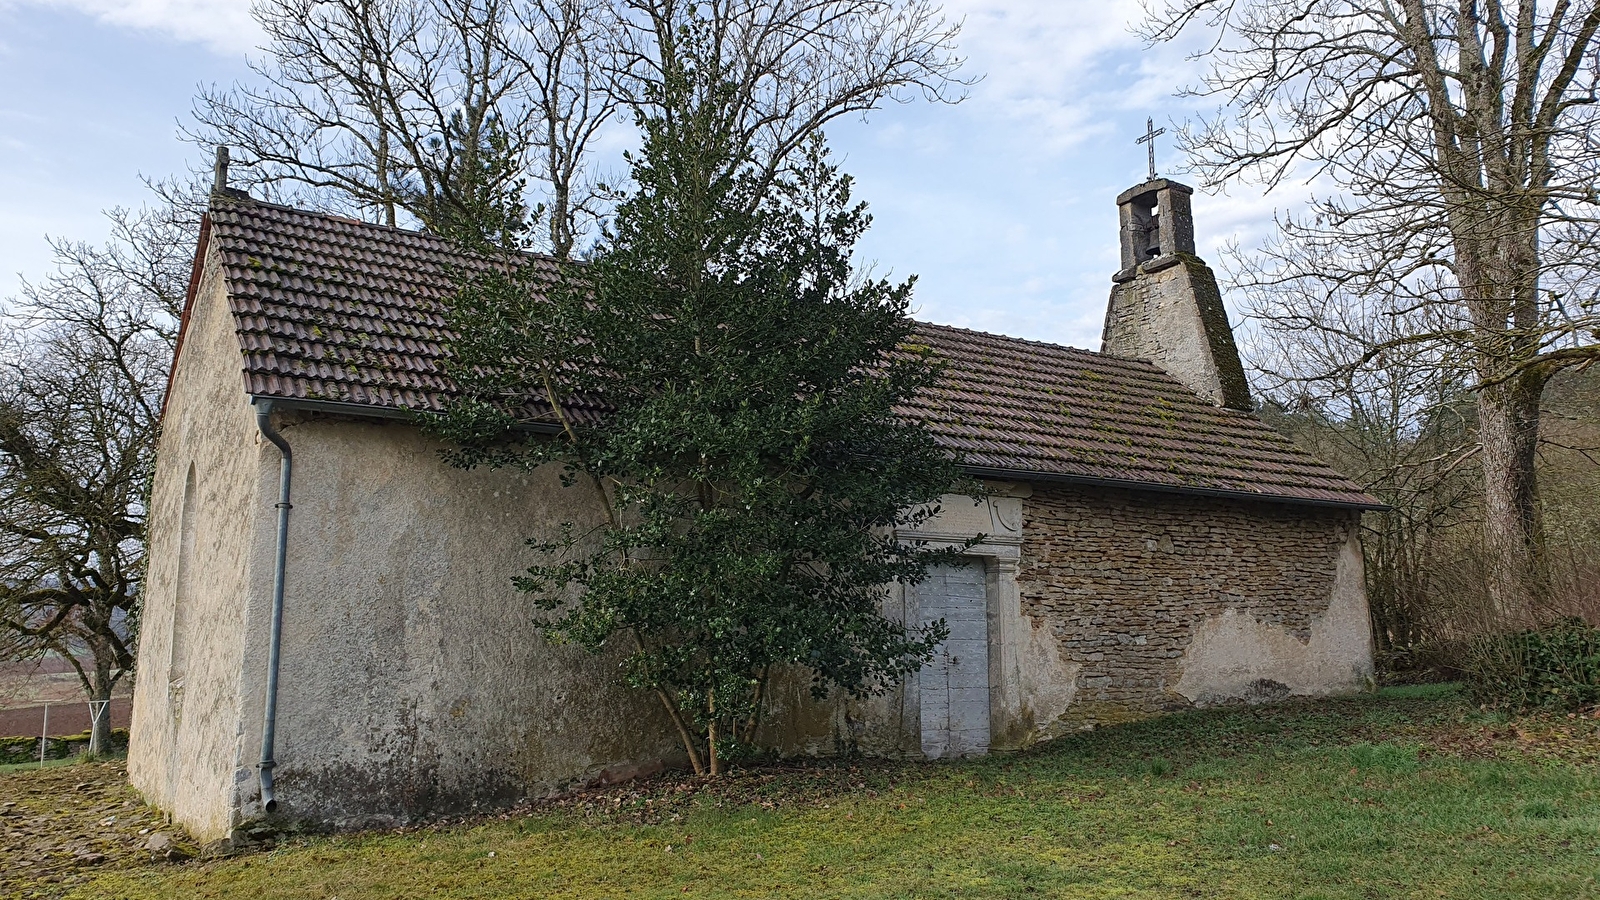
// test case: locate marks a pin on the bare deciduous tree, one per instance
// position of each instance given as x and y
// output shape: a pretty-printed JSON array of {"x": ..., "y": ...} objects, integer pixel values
[
  {"x": 437, "y": 108},
  {"x": 379, "y": 105},
  {"x": 561, "y": 52},
  {"x": 794, "y": 65},
  {"x": 1461, "y": 137},
  {"x": 430, "y": 108},
  {"x": 86, "y": 353},
  {"x": 1401, "y": 423}
]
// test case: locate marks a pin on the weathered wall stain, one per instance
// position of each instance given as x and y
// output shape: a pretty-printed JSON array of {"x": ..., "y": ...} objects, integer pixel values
[
  {"x": 414, "y": 659},
  {"x": 1238, "y": 656}
]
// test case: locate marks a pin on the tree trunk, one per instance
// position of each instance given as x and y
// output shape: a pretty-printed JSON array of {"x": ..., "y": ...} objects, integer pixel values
[
  {"x": 561, "y": 238},
  {"x": 676, "y": 715},
  {"x": 1508, "y": 422},
  {"x": 99, "y": 690},
  {"x": 715, "y": 768}
]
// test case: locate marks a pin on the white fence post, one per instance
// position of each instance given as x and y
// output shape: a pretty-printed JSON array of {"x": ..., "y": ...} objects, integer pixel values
[{"x": 97, "y": 709}]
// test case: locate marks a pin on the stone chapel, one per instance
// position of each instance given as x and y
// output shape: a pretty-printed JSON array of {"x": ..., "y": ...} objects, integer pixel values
[{"x": 329, "y": 632}]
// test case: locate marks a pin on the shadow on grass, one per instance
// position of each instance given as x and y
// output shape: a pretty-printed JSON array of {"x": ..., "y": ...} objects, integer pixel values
[
  {"x": 1370, "y": 733},
  {"x": 1161, "y": 745}
]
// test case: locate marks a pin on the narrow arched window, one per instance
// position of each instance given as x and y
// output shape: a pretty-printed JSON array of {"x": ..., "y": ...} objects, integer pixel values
[{"x": 183, "y": 588}]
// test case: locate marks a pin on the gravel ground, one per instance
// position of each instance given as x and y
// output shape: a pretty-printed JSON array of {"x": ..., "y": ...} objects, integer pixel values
[{"x": 58, "y": 825}]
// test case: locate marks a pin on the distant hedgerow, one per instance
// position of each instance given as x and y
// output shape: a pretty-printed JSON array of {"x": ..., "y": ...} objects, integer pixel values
[{"x": 1556, "y": 667}]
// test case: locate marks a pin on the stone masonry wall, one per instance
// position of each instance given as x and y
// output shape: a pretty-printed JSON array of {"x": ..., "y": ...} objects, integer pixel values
[
  {"x": 1172, "y": 315},
  {"x": 1126, "y": 580}
]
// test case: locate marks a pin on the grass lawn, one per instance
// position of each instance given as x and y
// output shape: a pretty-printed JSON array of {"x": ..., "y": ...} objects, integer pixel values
[
  {"x": 48, "y": 764},
  {"x": 1411, "y": 793}
]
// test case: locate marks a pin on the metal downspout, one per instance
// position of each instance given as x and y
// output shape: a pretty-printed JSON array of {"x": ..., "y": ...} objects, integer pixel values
[{"x": 269, "y": 722}]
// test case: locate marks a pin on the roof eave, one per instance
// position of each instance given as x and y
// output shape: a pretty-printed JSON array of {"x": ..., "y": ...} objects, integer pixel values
[
  {"x": 196, "y": 270},
  {"x": 369, "y": 411},
  {"x": 1129, "y": 484},
  {"x": 389, "y": 413}
]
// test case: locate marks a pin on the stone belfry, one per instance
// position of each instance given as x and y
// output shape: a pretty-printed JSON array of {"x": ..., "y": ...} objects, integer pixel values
[{"x": 1165, "y": 306}]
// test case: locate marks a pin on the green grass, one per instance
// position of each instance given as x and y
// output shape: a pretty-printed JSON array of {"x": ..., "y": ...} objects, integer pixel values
[
  {"x": 48, "y": 764},
  {"x": 1409, "y": 794}
]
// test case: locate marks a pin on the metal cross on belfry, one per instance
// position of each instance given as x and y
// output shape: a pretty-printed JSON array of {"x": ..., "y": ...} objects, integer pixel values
[{"x": 1151, "y": 132}]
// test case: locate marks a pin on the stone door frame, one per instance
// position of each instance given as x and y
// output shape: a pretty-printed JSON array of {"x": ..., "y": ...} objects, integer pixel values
[{"x": 997, "y": 520}]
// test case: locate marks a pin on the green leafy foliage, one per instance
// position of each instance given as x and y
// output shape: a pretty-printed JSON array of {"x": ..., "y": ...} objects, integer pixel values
[
  {"x": 738, "y": 384},
  {"x": 1557, "y": 666},
  {"x": 478, "y": 193}
]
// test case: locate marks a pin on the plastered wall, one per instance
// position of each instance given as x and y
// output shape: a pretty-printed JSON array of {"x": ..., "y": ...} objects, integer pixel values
[
  {"x": 186, "y": 750},
  {"x": 1109, "y": 605},
  {"x": 414, "y": 678},
  {"x": 1171, "y": 314},
  {"x": 1032, "y": 682}
]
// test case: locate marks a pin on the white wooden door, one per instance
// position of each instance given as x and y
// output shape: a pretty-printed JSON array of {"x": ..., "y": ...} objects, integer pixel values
[{"x": 955, "y": 685}]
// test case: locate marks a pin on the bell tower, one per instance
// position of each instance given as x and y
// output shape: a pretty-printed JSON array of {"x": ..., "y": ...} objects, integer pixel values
[
  {"x": 1165, "y": 305},
  {"x": 1156, "y": 222}
]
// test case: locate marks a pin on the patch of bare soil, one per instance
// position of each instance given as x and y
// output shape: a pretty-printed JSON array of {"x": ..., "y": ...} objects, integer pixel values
[
  {"x": 58, "y": 825},
  {"x": 1571, "y": 737},
  {"x": 51, "y": 679}
]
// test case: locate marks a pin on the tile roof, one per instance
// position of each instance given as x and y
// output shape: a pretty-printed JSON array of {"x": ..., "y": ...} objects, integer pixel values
[
  {"x": 332, "y": 310},
  {"x": 1009, "y": 404}
]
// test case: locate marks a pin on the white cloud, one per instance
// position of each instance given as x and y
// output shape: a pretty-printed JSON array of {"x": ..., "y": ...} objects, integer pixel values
[
  {"x": 1003, "y": 203},
  {"x": 1060, "y": 73},
  {"x": 1245, "y": 215},
  {"x": 224, "y": 26},
  {"x": 1034, "y": 48},
  {"x": 1055, "y": 70}
]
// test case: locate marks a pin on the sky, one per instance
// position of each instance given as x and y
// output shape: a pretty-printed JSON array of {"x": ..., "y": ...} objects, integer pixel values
[{"x": 1002, "y": 205}]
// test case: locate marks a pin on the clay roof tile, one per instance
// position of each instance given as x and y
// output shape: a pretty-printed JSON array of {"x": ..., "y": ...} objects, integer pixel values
[{"x": 333, "y": 309}]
